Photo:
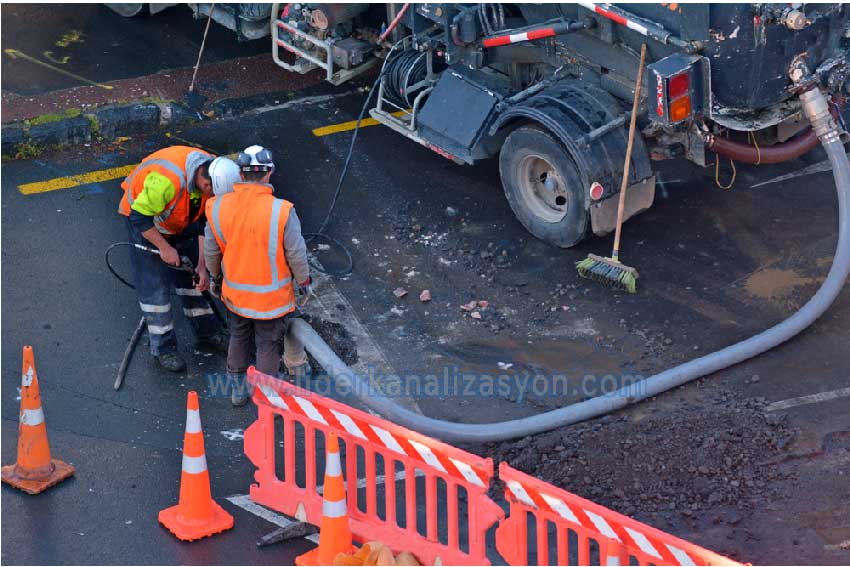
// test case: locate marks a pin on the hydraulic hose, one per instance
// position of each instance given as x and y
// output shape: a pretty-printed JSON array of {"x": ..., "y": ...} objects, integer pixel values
[{"x": 817, "y": 110}]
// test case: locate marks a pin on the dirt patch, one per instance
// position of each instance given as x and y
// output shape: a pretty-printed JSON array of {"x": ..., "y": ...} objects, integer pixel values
[
  {"x": 337, "y": 337},
  {"x": 773, "y": 283},
  {"x": 680, "y": 464}
]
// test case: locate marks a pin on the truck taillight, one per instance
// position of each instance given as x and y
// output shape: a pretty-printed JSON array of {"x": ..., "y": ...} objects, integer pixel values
[
  {"x": 680, "y": 108},
  {"x": 678, "y": 85}
]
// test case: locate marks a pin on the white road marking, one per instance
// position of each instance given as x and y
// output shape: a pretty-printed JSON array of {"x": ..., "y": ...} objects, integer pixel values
[
  {"x": 244, "y": 501},
  {"x": 305, "y": 101},
  {"x": 811, "y": 399},
  {"x": 234, "y": 434}
]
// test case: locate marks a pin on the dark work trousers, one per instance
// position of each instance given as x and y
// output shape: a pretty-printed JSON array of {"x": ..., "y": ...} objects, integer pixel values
[
  {"x": 154, "y": 281},
  {"x": 266, "y": 334}
]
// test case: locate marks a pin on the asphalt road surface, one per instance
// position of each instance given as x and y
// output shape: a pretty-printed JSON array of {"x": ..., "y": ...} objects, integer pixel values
[{"x": 716, "y": 266}]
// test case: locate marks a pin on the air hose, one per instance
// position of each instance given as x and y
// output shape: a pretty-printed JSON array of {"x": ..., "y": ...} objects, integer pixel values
[{"x": 817, "y": 110}]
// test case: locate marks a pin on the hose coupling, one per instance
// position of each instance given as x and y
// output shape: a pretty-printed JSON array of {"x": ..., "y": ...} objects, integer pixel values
[{"x": 816, "y": 108}]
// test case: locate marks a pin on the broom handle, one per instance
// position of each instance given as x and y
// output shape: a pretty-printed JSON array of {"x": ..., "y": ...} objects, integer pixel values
[{"x": 622, "y": 204}]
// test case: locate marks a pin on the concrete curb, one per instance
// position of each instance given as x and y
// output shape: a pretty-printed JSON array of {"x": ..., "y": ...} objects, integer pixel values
[{"x": 26, "y": 139}]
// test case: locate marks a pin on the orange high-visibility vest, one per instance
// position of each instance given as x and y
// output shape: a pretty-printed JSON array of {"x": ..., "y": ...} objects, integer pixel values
[
  {"x": 170, "y": 162},
  {"x": 248, "y": 225}
]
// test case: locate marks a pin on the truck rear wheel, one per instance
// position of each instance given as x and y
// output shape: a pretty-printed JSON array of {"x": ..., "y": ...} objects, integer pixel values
[{"x": 543, "y": 187}]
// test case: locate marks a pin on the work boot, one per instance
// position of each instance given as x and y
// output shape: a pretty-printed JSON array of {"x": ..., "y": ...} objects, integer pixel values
[
  {"x": 239, "y": 396},
  {"x": 218, "y": 341},
  {"x": 298, "y": 374},
  {"x": 172, "y": 362}
]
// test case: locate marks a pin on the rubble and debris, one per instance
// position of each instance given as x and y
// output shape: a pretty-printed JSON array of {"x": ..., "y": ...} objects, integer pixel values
[
  {"x": 425, "y": 296},
  {"x": 399, "y": 292}
]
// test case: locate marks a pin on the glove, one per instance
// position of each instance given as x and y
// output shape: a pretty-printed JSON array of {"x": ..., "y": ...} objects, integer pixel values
[
  {"x": 215, "y": 286},
  {"x": 306, "y": 289}
]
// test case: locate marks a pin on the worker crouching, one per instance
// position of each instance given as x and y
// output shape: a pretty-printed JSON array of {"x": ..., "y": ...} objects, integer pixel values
[
  {"x": 262, "y": 255},
  {"x": 163, "y": 202}
]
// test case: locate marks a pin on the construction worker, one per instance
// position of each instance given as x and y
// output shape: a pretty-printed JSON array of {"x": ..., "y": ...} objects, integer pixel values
[
  {"x": 263, "y": 252},
  {"x": 163, "y": 204},
  {"x": 224, "y": 173}
]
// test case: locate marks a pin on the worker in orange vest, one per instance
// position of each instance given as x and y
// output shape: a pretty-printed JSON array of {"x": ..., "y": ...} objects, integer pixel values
[
  {"x": 163, "y": 203},
  {"x": 262, "y": 255}
]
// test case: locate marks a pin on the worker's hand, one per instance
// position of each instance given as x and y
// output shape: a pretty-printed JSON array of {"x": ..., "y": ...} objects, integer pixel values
[
  {"x": 203, "y": 279},
  {"x": 169, "y": 255},
  {"x": 215, "y": 286}
]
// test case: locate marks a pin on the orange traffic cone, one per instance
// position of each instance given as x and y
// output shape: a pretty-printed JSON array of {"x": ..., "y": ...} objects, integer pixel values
[
  {"x": 334, "y": 532},
  {"x": 35, "y": 471},
  {"x": 197, "y": 515}
]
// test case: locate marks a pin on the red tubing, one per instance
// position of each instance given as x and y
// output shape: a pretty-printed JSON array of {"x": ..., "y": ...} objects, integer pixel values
[
  {"x": 777, "y": 153},
  {"x": 394, "y": 23}
]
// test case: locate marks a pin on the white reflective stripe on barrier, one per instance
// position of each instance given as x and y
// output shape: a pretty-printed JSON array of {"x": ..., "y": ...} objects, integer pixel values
[
  {"x": 388, "y": 439},
  {"x": 428, "y": 455},
  {"x": 333, "y": 467},
  {"x": 601, "y": 525},
  {"x": 193, "y": 421},
  {"x": 682, "y": 557},
  {"x": 197, "y": 311},
  {"x": 150, "y": 308},
  {"x": 194, "y": 465},
  {"x": 160, "y": 329},
  {"x": 32, "y": 417},
  {"x": 334, "y": 509},
  {"x": 273, "y": 397},
  {"x": 467, "y": 472},
  {"x": 310, "y": 409},
  {"x": 521, "y": 494},
  {"x": 560, "y": 507},
  {"x": 642, "y": 542},
  {"x": 348, "y": 424}
]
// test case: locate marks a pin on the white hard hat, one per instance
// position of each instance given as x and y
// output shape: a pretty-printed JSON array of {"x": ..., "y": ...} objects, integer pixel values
[
  {"x": 224, "y": 173},
  {"x": 255, "y": 158}
]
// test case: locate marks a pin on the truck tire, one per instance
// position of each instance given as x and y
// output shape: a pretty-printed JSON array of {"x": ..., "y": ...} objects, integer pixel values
[{"x": 543, "y": 187}]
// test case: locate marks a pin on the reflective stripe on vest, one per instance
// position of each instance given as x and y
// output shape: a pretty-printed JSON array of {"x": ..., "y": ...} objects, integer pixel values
[
  {"x": 254, "y": 314},
  {"x": 274, "y": 246},
  {"x": 181, "y": 190},
  {"x": 215, "y": 223}
]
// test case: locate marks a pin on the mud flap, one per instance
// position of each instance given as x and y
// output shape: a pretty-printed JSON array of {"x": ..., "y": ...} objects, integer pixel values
[{"x": 639, "y": 197}]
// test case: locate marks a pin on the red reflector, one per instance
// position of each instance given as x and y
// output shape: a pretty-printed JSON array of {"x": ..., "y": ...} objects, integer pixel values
[
  {"x": 678, "y": 85},
  {"x": 596, "y": 191}
]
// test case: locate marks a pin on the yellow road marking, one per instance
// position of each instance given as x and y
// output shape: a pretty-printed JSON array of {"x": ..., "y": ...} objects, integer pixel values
[
  {"x": 14, "y": 54},
  {"x": 76, "y": 180},
  {"x": 350, "y": 125}
]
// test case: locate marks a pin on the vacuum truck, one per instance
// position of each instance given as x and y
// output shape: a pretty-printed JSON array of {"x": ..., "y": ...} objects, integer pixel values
[{"x": 547, "y": 89}]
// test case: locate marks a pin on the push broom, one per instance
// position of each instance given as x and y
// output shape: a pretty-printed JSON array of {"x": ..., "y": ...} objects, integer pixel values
[{"x": 610, "y": 271}]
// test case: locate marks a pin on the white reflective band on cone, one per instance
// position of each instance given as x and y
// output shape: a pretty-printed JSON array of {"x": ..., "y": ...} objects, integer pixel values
[
  {"x": 334, "y": 509},
  {"x": 333, "y": 468},
  {"x": 32, "y": 417},
  {"x": 149, "y": 308},
  {"x": 193, "y": 421},
  {"x": 194, "y": 465}
]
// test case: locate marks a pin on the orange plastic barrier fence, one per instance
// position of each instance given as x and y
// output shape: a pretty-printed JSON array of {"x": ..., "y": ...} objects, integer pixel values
[
  {"x": 453, "y": 532},
  {"x": 581, "y": 532}
]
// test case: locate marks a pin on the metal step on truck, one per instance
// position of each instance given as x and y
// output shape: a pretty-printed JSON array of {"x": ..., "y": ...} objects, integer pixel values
[{"x": 545, "y": 88}]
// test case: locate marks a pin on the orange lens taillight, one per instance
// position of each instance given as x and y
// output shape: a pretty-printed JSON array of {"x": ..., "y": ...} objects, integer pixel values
[{"x": 680, "y": 108}]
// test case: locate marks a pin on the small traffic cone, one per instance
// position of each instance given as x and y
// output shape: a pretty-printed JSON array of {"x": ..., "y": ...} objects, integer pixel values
[
  {"x": 196, "y": 515},
  {"x": 35, "y": 471},
  {"x": 334, "y": 532}
]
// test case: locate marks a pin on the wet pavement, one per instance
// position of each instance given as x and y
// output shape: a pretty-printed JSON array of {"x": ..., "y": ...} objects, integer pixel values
[{"x": 716, "y": 266}]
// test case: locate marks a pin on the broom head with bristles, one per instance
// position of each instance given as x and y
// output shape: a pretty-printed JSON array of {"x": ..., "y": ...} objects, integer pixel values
[{"x": 609, "y": 272}]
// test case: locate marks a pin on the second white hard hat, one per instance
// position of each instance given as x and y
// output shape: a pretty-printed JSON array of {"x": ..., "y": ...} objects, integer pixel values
[{"x": 224, "y": 173}]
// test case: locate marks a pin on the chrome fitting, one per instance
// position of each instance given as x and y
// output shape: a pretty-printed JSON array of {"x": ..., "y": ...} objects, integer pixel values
[{"x": 816, "y": 108}]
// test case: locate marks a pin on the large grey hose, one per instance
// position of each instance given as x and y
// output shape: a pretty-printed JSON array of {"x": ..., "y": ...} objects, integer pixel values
[{"x": 815, "y": 106}]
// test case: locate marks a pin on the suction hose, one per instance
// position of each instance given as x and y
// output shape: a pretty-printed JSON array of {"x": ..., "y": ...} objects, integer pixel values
[{"x": 817, "y": 110}]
